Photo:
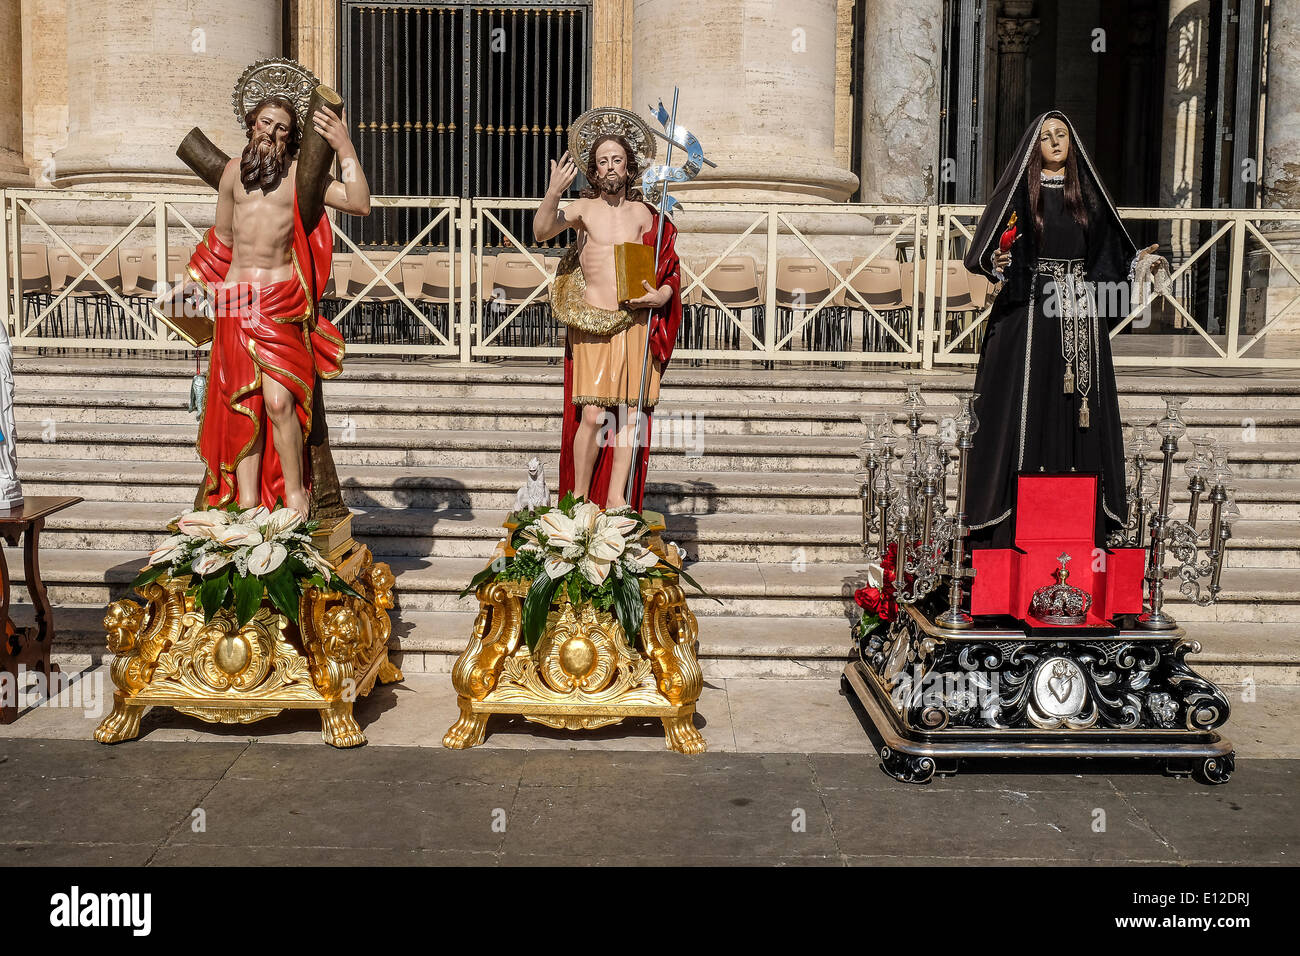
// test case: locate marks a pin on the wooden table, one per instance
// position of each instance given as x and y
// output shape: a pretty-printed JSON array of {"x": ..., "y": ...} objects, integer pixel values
[{"x": 29, "y": 646}]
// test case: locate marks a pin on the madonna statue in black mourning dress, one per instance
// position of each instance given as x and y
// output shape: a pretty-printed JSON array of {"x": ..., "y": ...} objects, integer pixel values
[{"x": 1046, "y": 383}]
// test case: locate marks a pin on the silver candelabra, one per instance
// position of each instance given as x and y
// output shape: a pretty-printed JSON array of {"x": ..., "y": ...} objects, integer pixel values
[
  {"x": 1198, "y": 552},
  {"x": 903, "y": 490}
]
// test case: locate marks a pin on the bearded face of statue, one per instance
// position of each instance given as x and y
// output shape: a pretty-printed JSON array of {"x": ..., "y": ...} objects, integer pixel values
[
  {"x": 273, "y": 139},
  {"x": 611, "y": 168}
]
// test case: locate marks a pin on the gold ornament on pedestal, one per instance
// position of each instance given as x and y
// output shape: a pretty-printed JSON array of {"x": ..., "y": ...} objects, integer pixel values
[
  {"x": 583, "y": 673},
  {"x": 223, "y": 673}
]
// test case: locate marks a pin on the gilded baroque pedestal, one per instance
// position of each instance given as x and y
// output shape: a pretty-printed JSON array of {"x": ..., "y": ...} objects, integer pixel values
[
  {"x": 583, "y": 674},
  {"x": 166, "y": 656}
]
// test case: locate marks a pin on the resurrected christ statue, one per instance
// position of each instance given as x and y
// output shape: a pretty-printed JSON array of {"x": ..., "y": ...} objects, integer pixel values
[{"x": 605, "y": 339}]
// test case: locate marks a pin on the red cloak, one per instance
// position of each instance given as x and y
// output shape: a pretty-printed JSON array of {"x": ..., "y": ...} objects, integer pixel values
[
  {"x": 664, "y": 323},
  {"x": 271, "y": 331}
]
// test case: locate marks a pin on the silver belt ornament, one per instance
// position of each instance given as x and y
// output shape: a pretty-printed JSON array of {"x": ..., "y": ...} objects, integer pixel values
[{"x": 1078, "y": 328}]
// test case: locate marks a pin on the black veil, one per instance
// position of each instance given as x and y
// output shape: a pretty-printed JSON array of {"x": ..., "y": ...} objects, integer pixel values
[{"x": 1109, "y": 257}]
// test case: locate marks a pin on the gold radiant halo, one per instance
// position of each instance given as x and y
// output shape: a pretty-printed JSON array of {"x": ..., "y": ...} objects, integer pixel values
[
  {"x": 275, "y": 76},
  {"x": 606, "y": 120}
]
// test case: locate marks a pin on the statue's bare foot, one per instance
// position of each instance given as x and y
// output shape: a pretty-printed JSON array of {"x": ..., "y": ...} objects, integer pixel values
[{"x": 297, "y": 501}]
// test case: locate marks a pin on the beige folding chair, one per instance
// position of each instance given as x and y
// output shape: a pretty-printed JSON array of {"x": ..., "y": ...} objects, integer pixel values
[
  {"x": 880, "y": 284},
  {"x": 514, "y": 276},
  {"x": 958, "y": 302},
  {"x": 35, "y": 279},
  {"x": 801, "y": 285},
  {"x": 375, "y": 321},
  {"x": 737, "y": 284}
]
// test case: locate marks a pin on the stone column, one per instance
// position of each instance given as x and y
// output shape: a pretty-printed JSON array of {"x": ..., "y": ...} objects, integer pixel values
[
  {"x": 45, "y": 84},
  {"x": 612, "y": 25},
  {"x": 140, "y": 75},
  {"x": 1186, "y": 62},
  {"x": 316, "y": 42},
  {"x": 757, "y": 81},
  {"x": 901, "y": 103},
  {"x": 13, "y": 170},
  {"x": 1016, "y": 29},
  {"x": 1281, "y": 164}
]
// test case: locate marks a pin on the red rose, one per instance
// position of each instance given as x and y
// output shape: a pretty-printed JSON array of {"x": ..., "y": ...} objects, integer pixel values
[
  {"x": 867, "y": 597},
  {"x": 874, "y": 601}
]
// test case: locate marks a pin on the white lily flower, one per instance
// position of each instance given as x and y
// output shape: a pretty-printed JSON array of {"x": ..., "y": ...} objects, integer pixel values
[
  {"x": 639, "y": 558},
  {"x": 605, "y": 543},
  {"x": 212, "y": 561},
  {"x": 594, "y": 570},
  {"x": 620, "y": 523},
  {"x": 556, "y": 568},
  {"x": 237, "y": 535},
  {"x": 254, "y": 516},
  {"x": 585, "y": 517},
  {"x": 168, "y": 549},
  {"x": 560, "y": 529},
  {"x": 266, "y": 557},
  {"x": 281, "y": 522},
  {"x": 201, "y": 524}
]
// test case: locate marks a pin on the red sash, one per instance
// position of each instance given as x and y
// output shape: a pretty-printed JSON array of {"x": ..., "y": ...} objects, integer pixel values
[{"x": 269, "y": 331}]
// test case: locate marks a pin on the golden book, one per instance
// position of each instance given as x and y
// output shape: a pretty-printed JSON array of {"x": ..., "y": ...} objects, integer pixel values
[
  {"x": 634, "y": 262},
  {"x": 194, "y": 329}
]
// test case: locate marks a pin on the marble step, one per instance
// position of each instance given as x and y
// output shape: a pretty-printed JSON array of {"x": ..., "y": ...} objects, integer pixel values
[
  {"x": 41, "y": 411},
  {"x": 448, "y": 379},
  {"x": 426, "y": 532},
  {"x": 783, "y": 647},
  {"x": 670, "y": 491},
  {"x": 676, "y": 448},
  {"x": 743, "y": 588}
]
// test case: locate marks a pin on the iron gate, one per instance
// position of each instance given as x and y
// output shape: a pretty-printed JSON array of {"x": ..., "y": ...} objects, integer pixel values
[{"x": 459, "y": 98}]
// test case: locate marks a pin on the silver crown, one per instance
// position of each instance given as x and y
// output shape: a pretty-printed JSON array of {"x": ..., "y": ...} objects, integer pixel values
[{"x": 1061, "y": 603}]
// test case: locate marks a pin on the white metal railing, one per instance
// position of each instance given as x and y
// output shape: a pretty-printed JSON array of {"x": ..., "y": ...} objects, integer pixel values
[{"x": 384, "y": 303}]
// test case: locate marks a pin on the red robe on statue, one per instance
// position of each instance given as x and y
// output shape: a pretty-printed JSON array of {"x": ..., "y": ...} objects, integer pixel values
[
  {"x": 270, "y": 331},
  {"x": 664, "y": 324}
]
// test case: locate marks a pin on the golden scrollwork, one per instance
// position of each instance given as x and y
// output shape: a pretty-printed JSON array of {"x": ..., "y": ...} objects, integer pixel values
[
  {"x": 583, "y": 674},
  {"x": 166, "y": 655}
]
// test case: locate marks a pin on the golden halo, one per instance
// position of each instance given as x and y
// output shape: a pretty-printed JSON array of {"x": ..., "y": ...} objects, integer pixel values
[
  {"x": 275, "y": 76},
  {"x": 611, "y": 120}
]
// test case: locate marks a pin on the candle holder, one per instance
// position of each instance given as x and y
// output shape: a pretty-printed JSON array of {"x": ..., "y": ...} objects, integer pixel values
[
  {"x": 1198, "y": 552},
  {"x": 902, "y": 486},
  {"x": 966, "y": 424}
]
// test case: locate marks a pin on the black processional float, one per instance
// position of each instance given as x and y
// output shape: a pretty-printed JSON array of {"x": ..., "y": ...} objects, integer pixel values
[{"x": 1057, "y": 647}]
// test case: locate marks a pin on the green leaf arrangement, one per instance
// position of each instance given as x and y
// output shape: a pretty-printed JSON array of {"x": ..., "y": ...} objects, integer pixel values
[
  {"x": 589, "y": 555},
  {"x": 232, "y": 557}
]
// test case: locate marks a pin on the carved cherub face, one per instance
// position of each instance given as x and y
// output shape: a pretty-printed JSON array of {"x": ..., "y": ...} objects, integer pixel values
[{"x": 1054, "y": 141}]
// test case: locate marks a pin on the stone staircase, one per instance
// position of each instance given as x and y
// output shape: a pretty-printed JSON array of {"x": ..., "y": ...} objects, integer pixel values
[{"x": 754, "y": 475}]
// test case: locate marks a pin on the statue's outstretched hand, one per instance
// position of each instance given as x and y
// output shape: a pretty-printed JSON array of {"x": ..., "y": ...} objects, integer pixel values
[{"x": 562, "y": 175}]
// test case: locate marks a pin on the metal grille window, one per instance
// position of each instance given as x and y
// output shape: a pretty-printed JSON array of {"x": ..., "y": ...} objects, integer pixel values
[{"x": 460, "y": 99}]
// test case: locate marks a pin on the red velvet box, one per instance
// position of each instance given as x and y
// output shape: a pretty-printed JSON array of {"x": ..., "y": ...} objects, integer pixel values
[{"x": 1054, "y": 514}]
